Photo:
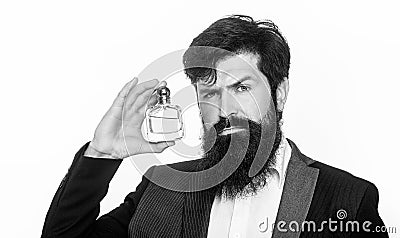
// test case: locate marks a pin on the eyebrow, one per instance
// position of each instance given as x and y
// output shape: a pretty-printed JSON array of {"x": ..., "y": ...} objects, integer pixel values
[
  {"x": 237, "y": 83},
  {"x": 233, "y": 85}
]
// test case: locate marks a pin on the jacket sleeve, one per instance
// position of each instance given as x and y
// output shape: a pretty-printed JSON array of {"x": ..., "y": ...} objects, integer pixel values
[
  {"x": 368, "y": 216},
  {"x": 76, "y": 204}
]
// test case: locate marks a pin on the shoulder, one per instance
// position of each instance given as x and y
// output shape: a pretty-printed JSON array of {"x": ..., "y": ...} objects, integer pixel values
[
  {"x": 336, "y": 188},
  {"x": 342, "y": 182},
  {"x": 330, "y": 177},
  {"x": 337, "y": 175}
]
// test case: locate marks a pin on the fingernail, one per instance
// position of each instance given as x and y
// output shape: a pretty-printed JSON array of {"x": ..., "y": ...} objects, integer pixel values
[
  {"x": 170, "y": 143},
  {"x": 131, "y": 82}
]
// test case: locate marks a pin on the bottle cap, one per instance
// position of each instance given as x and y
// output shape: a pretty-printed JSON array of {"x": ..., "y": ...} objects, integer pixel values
[
  {"x": 163, "y": 91},
  {"x": 163, "y": 94}
]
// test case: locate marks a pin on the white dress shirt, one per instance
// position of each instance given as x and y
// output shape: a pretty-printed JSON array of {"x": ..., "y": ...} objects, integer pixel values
[{"x": 252, "y": 216}]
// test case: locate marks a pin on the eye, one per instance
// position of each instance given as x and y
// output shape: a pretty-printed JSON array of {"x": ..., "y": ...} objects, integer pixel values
[
  {"x": 209, "y": 95},
  {"x": 242, "y": 88}
]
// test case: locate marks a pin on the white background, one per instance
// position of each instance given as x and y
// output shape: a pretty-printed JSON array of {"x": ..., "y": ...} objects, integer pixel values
[{"x": 62, "y": 64}]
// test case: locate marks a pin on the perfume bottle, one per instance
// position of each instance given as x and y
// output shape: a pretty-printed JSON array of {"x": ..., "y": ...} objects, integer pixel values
[{"x": 164, "y": 120}]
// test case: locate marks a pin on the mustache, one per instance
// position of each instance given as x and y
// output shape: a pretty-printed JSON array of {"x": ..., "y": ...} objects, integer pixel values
[{"x": 233, "y": 121}]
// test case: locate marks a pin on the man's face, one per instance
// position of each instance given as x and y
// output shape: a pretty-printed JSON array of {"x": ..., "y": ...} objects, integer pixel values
[
  {"x": 241, "y": 90},
  {"x": 240, "y": 125}
]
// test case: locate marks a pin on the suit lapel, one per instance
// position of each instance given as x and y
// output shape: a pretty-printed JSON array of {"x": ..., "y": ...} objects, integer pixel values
[{"x": 297, "y": 194}]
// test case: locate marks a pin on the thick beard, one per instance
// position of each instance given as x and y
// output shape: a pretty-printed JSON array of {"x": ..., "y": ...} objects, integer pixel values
[{"x": 239, "y": 183}]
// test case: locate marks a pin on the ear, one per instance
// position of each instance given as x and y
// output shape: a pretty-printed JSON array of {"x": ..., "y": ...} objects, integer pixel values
[{"x": 282, "y": 93}]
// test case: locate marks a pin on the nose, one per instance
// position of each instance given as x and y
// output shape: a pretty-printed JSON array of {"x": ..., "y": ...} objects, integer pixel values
[{"x": 229, "y": 105}]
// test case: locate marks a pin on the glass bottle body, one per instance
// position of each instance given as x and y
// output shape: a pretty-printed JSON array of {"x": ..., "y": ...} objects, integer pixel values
[{"x": 164, "y": 122}]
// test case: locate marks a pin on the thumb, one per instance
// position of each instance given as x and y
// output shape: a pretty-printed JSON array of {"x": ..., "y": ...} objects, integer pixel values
[{"x": 157, "y": 147}]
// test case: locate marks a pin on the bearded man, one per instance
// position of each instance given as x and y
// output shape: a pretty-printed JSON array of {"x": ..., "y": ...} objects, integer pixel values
[{"x": 251, "y": 181}]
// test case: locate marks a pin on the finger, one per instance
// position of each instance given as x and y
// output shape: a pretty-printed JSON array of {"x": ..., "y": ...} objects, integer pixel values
[
  {"x": 139, "y": 89},
  {"x": 144, "y": 97},
  {"x": 157, "y": 147},
  {"x": 148, "y": 98},
  {"x": 144, "y": 101},
  {"x": 151, "y": 102},
  {"x": 139, "y": 106},
  {"x": 119, "y": 100},
  {"x": 142, "y": 109}
]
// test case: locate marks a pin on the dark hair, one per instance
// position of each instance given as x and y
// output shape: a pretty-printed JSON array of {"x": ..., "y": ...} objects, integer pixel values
[{"x": 234, "y": 35}]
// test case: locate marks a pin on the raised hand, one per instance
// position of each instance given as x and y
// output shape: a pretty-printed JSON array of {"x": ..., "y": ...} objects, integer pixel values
[{"x": 118, "y": 134}]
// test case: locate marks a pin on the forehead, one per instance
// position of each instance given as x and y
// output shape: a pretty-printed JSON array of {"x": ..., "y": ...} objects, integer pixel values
[{"x": 234, "y": 68}]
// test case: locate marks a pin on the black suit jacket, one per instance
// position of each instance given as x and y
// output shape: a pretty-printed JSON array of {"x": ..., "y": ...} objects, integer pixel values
[{"x": 313, "y": 193}]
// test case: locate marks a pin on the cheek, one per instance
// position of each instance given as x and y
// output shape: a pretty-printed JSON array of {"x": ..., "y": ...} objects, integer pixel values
[
  {"x": 257, "y": 106},
  {"x": 209, "y": 112}
]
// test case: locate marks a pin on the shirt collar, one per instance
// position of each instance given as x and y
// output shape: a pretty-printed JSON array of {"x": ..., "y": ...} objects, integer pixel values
[{"x": 282, "y": 157}]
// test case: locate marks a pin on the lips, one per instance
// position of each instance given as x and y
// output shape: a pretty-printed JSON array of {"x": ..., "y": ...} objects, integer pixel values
[
  {"x": 231, "y": 125},
  {"x": 230, "y": 130}
]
